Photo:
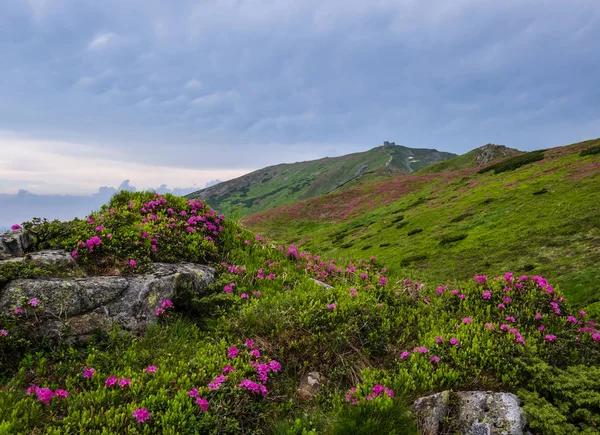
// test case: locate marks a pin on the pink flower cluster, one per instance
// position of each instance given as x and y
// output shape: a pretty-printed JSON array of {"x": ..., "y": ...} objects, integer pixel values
[{"x": 45, "y": 395}]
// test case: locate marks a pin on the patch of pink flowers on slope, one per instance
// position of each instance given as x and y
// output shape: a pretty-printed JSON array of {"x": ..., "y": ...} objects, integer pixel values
[{"x": 141, "y": 415}]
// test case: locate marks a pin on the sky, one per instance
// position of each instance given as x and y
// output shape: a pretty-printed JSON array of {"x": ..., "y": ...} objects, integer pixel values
[{"x": 183, "y": 92}]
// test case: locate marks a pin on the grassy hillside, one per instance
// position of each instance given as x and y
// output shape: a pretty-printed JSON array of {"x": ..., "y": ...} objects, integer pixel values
[
  {"x": 541, "y": 218},
  {"x": 230, "y": 360},
  {"x": 287, "y": 183},
  {"x": 478, "y": 157}
]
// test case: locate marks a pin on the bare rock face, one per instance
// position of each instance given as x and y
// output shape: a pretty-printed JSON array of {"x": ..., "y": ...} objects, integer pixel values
[
  {"x": 470, "y": 413},
  {"x": 310, "y": 384},
  {"x": 79, "y": 305},
  {"x": 14, "y": 244}
]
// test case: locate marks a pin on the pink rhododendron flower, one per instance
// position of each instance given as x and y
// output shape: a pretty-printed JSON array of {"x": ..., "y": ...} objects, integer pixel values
[
  {"x": 421, "y": 349},
  {"x": 352, "y": 291},
  {"x": 16, "y": 227},
  {"x": 216, "y": 382},
  {"x": 74, "y": 254},
  {"x": 440, "y": 290},
  {"x": 541, "y": 328},
  {"x": 404, "y": 354},
  {"x": 249, "y": 343},
  {"x": 571, "y": 319},
  {"x": 435, "y": 359},
  {"x": 504, "y": 327},
  {"x": 255, "y": 353},
  {"x": 141, "y": 415},
  {"x": 112, "y": 380},
  {"x": 582, "y": 313},
  {"x": 501, "y": 306},
  {"x": 44, "y": 394},
  {"x": 331, "y": 306},
  {"x": 244, "y": 296},
  {"x": 151, "y": 369},
  {"x": 506, "y": 300},
  {"x": 166, "y": 304},
  {"x": 203, "y": 403},
  {"x": 275, "y": 366},
  {"x": 550, "y": 337},
  {"x": 32, "y": 389},
  {"x": 233, "y": 352},
  {"x": 254, "y": 387},
  {"x": 480, "y": 279},
  {"x": 194, "y": 393},
  {"x": 510, "y": 319},
  {"x": 467, "y": 320},
  {"x": 454, "y": 292},
  {"x": 228, "y": 369},
  {"x": 489, "y": 326},
  {"x": 132, "y": 263},
  {"x": 454, "y": 341},
  {"x": 487, "y": 294},
  {"x": 3, "y": 332},
  {"x": 159, "y": 312},
  {"x": 88, "y": 372},
  {"x": 462, "y": 296},
  {"x": 18, "y": 311},
  {"x": 383, "y": 280},
  {"x": 62, "y": 394},
  {"x": 124, "y": 382},
  {"x": 439, "y": 339},
  {"x": 34, "y": 302},
  {"x": 538, "y": 316}
]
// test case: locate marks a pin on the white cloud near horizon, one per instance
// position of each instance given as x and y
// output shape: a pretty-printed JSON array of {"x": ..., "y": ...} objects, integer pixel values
[{"x": 50, "y": 167}]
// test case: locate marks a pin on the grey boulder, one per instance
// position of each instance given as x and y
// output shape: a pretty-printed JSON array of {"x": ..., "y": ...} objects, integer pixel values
[
  {"x": 470, "y": 413},
  {"x": 14, "y": 244},
  {"x": 79, "y": 305}
]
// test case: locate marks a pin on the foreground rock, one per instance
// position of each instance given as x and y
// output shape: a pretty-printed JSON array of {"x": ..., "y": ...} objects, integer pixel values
[
  {"x": 310, "y": 384},
  {"x": 14, "y": 244},
  {"x": 76, "y": 306},
  {"x": 470, "y": 412}
]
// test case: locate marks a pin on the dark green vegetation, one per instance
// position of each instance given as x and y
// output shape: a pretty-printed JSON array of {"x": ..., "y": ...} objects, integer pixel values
[
  {"x": 287, "y": 183},
  {"x": 540, "y": 217}
]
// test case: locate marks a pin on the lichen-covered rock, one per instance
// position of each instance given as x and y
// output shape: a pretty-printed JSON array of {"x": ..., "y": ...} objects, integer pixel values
[
  {"x": 79, "y": 305},
  {"x": 470, "y": 412},
  {"x": 55, "y": 258},
  {"x": 14, "y": 244}
]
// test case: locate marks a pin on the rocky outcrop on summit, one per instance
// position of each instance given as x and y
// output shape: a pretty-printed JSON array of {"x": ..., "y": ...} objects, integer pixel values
[
  {"x": 491, "y": 152},
  {"x": 76, "y": 306},
  {"x": 470, "y": 413}
]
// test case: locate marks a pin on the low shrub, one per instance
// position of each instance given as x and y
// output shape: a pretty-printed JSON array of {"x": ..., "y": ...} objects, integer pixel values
[
  {"x": 447, "y": 240},
  {"x": 590, "y": 151},
  {"x": 415, "y": 231}
]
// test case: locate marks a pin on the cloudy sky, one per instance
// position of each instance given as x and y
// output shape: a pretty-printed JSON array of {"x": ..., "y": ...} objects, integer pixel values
[{"x": 183, "y": 92}]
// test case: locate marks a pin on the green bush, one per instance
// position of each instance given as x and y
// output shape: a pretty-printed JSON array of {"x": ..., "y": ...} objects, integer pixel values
[
  {"x": 415, "y": 231},
  {"x": 590, "y": 151},
  {"x": 447, "y": 240}
]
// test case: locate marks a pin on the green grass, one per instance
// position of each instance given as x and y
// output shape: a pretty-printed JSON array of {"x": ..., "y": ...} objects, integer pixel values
[{"x": 470, "y": 222}]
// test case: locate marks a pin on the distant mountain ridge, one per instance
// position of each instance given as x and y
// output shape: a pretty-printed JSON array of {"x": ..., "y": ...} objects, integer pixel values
[{"x": 286, "y": 183}]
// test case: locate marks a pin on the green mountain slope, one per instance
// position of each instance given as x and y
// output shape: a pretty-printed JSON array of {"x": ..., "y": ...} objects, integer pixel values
[
  {"x": 541, "y": 218},
  {"x": 287, "y": 183},
  {"x": 478, "y": 157}
]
